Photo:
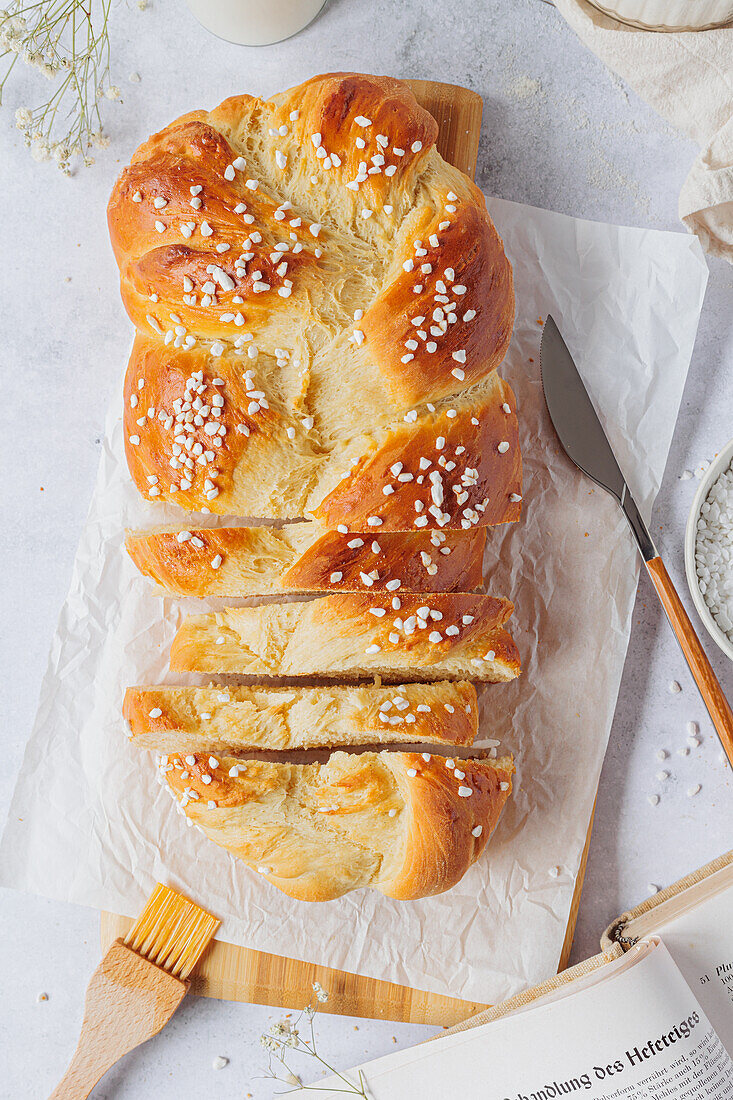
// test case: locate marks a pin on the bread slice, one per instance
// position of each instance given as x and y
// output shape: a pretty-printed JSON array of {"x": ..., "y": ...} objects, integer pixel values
[
  {"x": 217, "y": 719},
  {"x": 407, "y": 824},
  {"x": 407, "y": 637},
  {"x": 301, "y": 557}
]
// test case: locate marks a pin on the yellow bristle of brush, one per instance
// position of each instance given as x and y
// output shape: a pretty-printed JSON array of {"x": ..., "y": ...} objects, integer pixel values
[{"x": 171, "y": 932}]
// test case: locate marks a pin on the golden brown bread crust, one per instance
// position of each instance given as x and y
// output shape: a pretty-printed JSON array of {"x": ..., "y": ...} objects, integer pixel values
[
  {"x": 239, "y": 460},
  {"x": 471, "y": 449},
  {"x": 237, "y": 719},
  {"x": 360, "y": 293},
  {"x": 267, "y": 561},
  {"x": 406, "y": 636},
  {"x": 442, "y": 843},
  {"x": 439, "y": 561},
  {"x": 407, "y": 824},
  {"x": 469, "y": 247}
]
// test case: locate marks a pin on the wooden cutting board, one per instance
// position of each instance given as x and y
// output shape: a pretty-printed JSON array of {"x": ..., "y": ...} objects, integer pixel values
[{"x": 241, "y": 974}]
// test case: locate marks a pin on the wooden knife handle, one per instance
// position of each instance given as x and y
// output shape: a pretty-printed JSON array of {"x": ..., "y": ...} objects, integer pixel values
[{"x": 718, "y": 706}]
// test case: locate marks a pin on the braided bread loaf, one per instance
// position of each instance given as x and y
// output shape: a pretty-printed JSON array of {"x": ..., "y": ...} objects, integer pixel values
[{"x": 320, "y": 304}]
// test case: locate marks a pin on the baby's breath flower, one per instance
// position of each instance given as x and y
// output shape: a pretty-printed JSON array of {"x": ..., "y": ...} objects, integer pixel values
[
  {"x": 40, "y": 150},
  {"x": 67, "y": 41},
  {"x": 285, "y": 1036}
]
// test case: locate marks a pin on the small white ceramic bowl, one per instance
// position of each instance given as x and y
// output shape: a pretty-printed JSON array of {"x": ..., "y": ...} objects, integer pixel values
[{"x": 721, "y": 463}]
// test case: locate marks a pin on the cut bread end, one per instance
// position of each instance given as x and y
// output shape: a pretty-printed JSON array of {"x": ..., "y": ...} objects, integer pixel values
[{"x": 407, "y": 824}]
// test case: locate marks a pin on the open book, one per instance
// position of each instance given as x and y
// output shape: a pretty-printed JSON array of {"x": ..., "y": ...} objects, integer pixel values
[{"x": 651, "y": 1018}]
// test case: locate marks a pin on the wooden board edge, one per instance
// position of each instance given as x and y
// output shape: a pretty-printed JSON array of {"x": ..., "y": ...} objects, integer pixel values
[
  {"x": 458, "y": 112},
  {"x": 577, "y": 895},
  {"x": 233, "y": 973}
]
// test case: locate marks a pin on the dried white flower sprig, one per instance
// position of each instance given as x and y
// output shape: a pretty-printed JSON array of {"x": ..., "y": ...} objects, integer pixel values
[
  {"x": 68, "y": 42},
  {"x": 285, "y": 1037}
]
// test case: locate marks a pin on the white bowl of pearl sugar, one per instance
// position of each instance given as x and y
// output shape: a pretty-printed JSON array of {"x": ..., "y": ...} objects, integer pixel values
[{"x": 709, "y": 550}]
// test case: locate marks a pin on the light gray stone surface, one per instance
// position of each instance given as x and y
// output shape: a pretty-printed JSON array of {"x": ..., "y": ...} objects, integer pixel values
[{"x": 558, "y": 132}]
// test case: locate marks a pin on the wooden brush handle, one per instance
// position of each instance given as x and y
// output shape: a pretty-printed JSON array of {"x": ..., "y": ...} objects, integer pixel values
[
  {"x": 712, "y": 693},
  {"x": 128, "y": 1000}
]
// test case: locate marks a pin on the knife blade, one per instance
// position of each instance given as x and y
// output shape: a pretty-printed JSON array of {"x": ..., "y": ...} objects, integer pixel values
[
  {"x": 580, "y": 431},
  {"x": 585, "y": 442}
]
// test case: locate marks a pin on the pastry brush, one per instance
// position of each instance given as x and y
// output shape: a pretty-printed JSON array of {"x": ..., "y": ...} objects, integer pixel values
[{"x": 137, "y": 987}]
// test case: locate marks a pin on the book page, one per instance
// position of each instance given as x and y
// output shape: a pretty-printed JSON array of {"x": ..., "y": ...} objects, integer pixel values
[
  {"x": 640, "y": 1035},
  {"x": 700, "y": 941}
]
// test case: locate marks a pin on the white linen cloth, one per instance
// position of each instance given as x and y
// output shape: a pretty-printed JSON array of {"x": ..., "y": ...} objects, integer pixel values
[{"x": 687, "y": 76}]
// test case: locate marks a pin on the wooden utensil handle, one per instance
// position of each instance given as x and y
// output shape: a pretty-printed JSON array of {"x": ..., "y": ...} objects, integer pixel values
[
  {"x": 128, "y": 1000},
  {"x": 718, "y": 706}
]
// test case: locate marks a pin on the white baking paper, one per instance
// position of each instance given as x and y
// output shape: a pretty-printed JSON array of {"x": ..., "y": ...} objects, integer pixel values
[{"x": 89, "y": 824}]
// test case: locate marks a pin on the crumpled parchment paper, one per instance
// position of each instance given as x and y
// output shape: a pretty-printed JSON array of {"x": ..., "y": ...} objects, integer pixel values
[{"x": 89, "y": 824}]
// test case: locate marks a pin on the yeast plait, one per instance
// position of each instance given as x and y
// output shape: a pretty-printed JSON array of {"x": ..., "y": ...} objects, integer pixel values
[{"x": 321, "y": 303}]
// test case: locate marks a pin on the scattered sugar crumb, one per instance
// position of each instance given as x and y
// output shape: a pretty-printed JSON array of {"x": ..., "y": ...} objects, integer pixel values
[
  {"x": 653, "y": 888},
  {"x": 603, "y": 175},
  {"x": 693, "y": 742},
  {"x": 693, "y": 729},
  {"x": 662, "y": 754},
  {"x": 653, "y": 799},
  {"x": 692, "y": 791},
  {"x": 675, "y": 687},
  {"x": 219, "y": 1062},
  {"x": 554, "y": 872},
  {"x": 686, "y": 475},
  {"x": 661, "y": 776},
  {"x": 134, "y": 78},
  {"x": 684, "y": 751},
  {"x": 523, "y": 86}
]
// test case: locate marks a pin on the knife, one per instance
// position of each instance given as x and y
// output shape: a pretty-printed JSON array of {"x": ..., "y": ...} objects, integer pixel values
[{"x": 584, "y": 442}]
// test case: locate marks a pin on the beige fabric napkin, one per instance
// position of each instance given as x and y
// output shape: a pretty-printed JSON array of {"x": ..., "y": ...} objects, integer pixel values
[{"x": 687, "y": 77}]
